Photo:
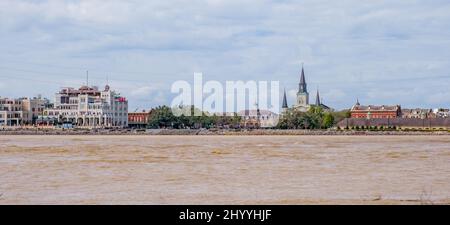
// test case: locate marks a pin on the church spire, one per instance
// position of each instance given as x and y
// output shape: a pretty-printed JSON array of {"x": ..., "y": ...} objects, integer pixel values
[
  {"x": 302, "y": 84},
  {"x": 285, "y": 105},
  {"x": 318, "y": 98}
]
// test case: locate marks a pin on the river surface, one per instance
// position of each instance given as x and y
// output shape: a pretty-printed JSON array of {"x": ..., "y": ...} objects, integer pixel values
[{"x": 224, "y": 169}]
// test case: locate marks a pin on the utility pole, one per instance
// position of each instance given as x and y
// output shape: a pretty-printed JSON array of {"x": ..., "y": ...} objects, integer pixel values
[
  {"x": 258, "y": 115},
  {"x": 87, "y": 78}
]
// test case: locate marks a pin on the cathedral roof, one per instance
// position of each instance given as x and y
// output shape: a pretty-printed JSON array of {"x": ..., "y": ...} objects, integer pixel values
[
  {"x": 302, "y": 87},
  {"x": 302, "y": 77},
  {"x": 318, "y": 98},
  {"x": 285, "y": 105}
]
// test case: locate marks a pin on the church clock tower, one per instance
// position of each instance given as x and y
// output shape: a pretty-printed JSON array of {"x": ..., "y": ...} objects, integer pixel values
[{"x": 302, "y": 94}]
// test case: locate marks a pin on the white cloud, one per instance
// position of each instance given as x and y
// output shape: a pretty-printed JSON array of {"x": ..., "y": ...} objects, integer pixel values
[
  {"x": 344, "y": 44},
  {"x": 141, "y": 91},
  {"x": 439, "y": 98},
  {"x": 333, "y": 97},
  {"x": 160, "y": 98}
]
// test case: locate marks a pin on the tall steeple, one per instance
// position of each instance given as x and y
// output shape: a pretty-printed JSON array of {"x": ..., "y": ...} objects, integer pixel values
[
  {"x": 302, "y": 94},
  {"x": 285, "y": 105},
  {"x": 318, "y": 98},
  {"x": 302, "y": 85}
]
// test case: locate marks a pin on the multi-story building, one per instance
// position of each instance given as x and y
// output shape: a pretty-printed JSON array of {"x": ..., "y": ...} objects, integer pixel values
[
  {"x": 395, "y": 123},
  {"x": 258, "y": 118},
  {"x": 34, "y": 108},
  {"x": 89, "y": 107},
  {"x": 375, "y": 112},
  {"x": 417, "y": 113},
  {"x": 11, "y": 112},
  {"x": 21, "y": 111},
  {"x": 138, "y": 119},
  {"x": 442, "y": 113}
]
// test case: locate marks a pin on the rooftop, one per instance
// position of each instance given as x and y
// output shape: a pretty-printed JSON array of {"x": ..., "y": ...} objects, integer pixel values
[{"x": 376, "y": 108}]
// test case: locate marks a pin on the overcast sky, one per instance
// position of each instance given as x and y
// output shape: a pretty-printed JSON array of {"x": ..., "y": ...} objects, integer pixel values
[{"x": 382, "y": 52}]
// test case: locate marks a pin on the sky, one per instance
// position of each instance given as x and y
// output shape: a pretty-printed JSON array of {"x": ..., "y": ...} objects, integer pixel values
[{"x": 381, "y": 52}]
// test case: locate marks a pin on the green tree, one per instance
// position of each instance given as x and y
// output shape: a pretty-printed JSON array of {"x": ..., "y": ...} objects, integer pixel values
[
  {"x": 162, "y": 117},
  {"x": 340, "y": 115},
  {"x": 315, "y": 118},
  {"x": 184, "y": 117},
  {"x": 328, "y": 120},
  {"x": 236, "y": 120},
  {"x": 293, "y": 120}
]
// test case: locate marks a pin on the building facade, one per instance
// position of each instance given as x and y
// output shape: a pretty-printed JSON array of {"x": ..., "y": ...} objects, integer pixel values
[
  {"x": 11, "y": 112},
  {"x": 34, "y": 108},
  {"x": 395, "y": 123},
  {"x": 375, "y": 112},
  {"x": 88, "y": 107},
  {"x": 258, "y": 118},
  {"x": 21, "y": 111},
  {"x": 417, "y": 113},
  {"x": 442, "y": 113},
  {"x": 138, "y": 119}
]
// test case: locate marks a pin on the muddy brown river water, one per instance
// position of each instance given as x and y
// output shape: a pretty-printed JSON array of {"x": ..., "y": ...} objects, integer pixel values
[{"x": 224, "y": 169}]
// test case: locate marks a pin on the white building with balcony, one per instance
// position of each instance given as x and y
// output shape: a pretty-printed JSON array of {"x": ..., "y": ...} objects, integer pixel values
[{"x": 88, "y": 107}]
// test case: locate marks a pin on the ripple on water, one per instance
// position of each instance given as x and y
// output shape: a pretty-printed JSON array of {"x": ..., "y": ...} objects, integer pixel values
[{"x": 295, "y": 169}]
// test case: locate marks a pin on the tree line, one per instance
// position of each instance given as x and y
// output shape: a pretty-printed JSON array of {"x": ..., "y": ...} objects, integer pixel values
[
  {"x": 163, "y": 117},
  {"x": 314, "y": 118}
]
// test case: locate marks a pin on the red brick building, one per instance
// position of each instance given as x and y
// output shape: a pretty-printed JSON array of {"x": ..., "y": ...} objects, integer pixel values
[
  {"x": 138, "y": 119},
  {"x": 375, "y": 112}
]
